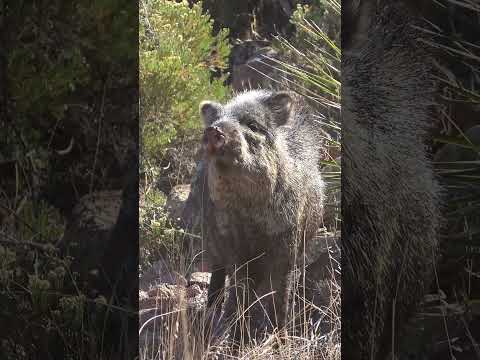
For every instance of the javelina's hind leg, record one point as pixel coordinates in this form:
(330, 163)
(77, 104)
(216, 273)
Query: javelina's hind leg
(269, 311)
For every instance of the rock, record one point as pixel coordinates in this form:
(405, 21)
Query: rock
(201, 279)
(160, 274)
(234, 15)
(193, 291)
(166, 301)
(89, 229)
(191, 211)
(161, 299)
(177, 165)
(97, 211)
(142, 295)
(271, 16)
(176, 202)
(163, 291)
(166, 297)
(252, 65)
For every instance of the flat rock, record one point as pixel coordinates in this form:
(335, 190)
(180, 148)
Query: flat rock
(176, 202)
(200, 278)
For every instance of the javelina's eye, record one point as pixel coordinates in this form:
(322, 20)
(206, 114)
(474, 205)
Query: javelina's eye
(252, 125)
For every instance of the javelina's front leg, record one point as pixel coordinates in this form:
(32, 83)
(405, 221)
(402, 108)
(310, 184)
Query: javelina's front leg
(216, 287)
(216, 296)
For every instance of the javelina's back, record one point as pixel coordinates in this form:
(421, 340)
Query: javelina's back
(389, 194)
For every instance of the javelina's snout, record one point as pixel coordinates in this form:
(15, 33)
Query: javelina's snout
(215, 139)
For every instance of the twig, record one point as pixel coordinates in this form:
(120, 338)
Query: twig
(11, 241)
(99, 133)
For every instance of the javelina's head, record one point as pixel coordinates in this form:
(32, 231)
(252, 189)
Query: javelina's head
(240, 135)
(243, 143)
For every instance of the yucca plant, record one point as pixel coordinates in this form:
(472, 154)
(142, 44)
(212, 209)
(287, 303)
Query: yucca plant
(458, 161)
(457, 164)
(310, 66)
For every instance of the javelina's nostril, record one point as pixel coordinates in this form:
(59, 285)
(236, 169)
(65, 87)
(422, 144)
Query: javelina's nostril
(215, 138)
(213, 131)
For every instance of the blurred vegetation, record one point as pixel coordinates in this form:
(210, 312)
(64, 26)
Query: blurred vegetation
(452, 34)
(52, 60)
(61, 66)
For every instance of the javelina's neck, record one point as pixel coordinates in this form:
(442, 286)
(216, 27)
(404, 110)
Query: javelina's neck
(238, 190)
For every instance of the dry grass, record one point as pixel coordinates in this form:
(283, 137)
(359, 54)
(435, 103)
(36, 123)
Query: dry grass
(183, 331)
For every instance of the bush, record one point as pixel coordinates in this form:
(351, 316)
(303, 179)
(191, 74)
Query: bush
(177, 56)
(157, 235)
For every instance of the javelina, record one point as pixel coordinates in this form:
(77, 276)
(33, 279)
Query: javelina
(390, 198)
(261, 194)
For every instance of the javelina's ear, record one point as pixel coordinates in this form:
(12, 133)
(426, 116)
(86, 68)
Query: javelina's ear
(209, 111)
(281, 104)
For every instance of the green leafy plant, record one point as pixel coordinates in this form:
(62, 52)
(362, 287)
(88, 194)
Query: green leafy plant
(177, 55)
(158, 238)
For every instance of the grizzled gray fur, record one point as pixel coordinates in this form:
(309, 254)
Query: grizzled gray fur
(261, 195)
(390, 198)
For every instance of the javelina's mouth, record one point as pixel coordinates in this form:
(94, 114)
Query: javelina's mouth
(217, 147)
(215, 140)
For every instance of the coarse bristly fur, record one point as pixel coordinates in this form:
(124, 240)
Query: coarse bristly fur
(390, 198)
(261, 195)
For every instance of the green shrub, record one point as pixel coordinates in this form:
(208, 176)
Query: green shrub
(177, 55)
(158, 238)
